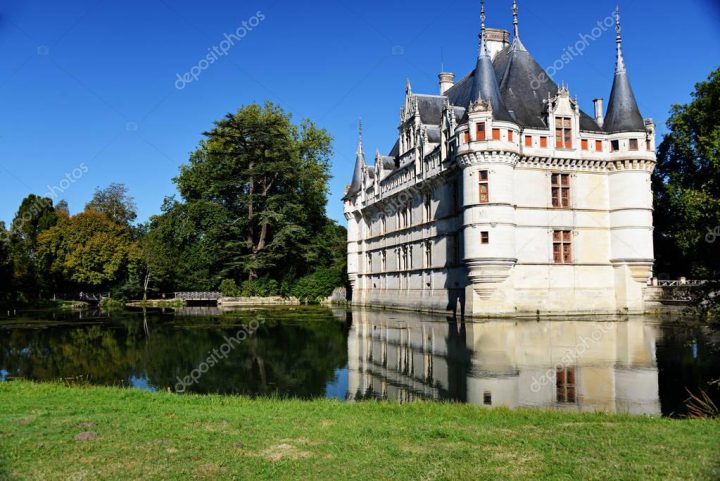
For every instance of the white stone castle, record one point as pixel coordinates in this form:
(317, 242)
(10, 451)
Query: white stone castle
(501, 197)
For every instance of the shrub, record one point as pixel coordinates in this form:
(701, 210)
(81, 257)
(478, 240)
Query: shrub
(318, 285)
(229, 288)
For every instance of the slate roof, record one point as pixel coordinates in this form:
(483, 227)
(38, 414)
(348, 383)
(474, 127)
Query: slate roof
(623, 114)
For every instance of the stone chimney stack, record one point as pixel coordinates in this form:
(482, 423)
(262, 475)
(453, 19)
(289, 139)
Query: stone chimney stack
(447, 80)
(599, 118)
(497, 39)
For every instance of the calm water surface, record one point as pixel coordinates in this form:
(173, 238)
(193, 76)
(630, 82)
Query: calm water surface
(638, 366)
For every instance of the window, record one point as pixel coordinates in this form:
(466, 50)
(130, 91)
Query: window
(543, 142)
(614, 146)
(397, 260)
(409, 216)
(496, 134)
(528, 141)
(428, 255)
(565, 384)
(428, 207)
(480, 133)
(650, 145)
(484, 187)
(634, 144)
(562, 247)
(410, 257)
(484, 237)
(404, 262)
(487, 398)
(511, 138)
(561, 191)
(466, 137)
(585, 144)
(598, 146)
(563, 132)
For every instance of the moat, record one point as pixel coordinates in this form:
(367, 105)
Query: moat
(639, 366)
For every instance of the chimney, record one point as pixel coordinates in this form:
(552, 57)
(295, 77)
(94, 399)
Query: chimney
(497, 39)
(599, 112)
(447, 80)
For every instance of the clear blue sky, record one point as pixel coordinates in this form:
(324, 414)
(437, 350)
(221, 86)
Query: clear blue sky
(92, 82)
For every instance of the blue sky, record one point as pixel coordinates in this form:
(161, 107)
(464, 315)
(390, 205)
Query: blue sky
(91, 84)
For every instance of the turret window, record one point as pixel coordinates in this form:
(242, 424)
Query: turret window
(614, 145)
(585, 144)
(466, 137)
(496, 134)
(543, 142)
(484, 185)
(528, 141)
(598, 146)
(634, 144)
(484, 237)
(563, 132)
(561, 191)
(562, 247)
(511, 138)
(480, 133)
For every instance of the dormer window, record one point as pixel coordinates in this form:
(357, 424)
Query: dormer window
(563, 132)
(480, 134)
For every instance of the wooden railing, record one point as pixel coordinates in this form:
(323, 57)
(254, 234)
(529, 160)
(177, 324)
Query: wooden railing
(198, 296)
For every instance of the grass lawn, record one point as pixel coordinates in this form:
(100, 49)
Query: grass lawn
(163, 436)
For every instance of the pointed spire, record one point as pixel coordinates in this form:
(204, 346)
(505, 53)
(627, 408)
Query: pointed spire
(485, 85)
(408, 87)
(620, 67)
(623, 114)
(516, 23)
(357, 179)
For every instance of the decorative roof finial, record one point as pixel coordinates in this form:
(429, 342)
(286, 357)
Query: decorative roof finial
(516, 27)
(408, 87)
(483, 43)
(360, 136)
(618, 29)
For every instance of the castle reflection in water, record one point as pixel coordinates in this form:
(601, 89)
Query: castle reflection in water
(570, 365)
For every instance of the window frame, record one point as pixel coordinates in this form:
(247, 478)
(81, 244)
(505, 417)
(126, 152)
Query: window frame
(562, 242)
(496, 134)
(528, 141)
(480, 133)
(560, 189)
(484, 186)
(485, 238)
(563, 132)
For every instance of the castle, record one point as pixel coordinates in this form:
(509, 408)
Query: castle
(501, 197)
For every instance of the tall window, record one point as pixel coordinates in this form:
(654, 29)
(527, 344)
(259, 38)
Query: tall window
(404, 262)
(428, 255)
(562, 247)
(511, 136)
(484, 187)
(565, 384)
(561, 191)
(428, 207)
(480, 131)
(383, 224)
(398, 265)
(383, 260)
(563, 132)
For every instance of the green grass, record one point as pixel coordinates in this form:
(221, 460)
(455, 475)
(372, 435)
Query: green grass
(164, 436)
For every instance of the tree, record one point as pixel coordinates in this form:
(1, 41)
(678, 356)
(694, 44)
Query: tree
(687, 186)
(6, 268)
(34, 216)
(114, 202)
(88, 251)
(256, 192)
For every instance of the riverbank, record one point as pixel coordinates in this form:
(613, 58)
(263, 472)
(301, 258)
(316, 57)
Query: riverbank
(52, 432)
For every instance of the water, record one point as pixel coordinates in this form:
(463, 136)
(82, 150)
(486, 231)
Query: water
(637, 366)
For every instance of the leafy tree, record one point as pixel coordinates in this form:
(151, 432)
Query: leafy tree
(115, 202)
(256, 192)
(88, 251)
(687, 186)
(6, 268)
(35, 215)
